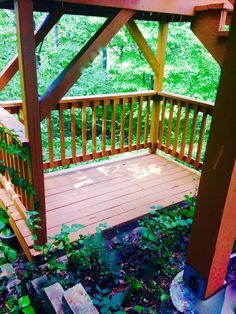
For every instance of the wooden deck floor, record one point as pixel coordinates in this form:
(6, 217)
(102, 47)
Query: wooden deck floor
(113, 192)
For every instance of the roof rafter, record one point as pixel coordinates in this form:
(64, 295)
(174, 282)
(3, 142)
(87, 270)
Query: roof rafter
(12, 67)
(87, 54)
(143, 45)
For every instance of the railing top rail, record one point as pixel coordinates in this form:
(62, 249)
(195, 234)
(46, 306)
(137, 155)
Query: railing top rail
(190, 100)
(108, 96)
(13, 126)
(18, 103)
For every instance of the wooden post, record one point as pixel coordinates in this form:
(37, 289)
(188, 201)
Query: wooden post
(214, 226)
(161, 54)
(27, 66)
(158, 82)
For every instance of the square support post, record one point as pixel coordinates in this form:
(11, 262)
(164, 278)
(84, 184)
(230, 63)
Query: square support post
(158, 81)
(31, 110)
(214, 226)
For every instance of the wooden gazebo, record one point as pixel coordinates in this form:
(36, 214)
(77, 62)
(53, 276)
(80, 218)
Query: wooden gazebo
(119, 191)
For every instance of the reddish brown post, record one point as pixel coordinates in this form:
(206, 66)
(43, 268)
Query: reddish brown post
(29, 86)
(214, 227)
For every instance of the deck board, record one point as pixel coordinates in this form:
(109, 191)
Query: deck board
(115, 193)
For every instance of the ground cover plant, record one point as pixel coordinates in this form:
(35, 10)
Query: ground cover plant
(130, 273)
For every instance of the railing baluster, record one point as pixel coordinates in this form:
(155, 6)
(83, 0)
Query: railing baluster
(50, 140)
(146, 131)
(162, 123)
(139, 122)
(131, 119)
(185, 130)
(169, 131)
(154, 133)
(177, 127)
(113, 127)
(94, 129)
(62, 135)
(193, 131)
(201, 136)
(122, 126)
(84, 128)
(73, 132)
(104, 126)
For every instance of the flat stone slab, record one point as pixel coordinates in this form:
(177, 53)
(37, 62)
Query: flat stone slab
(54, 295)
(186, 301)
(8, 271)
(39, 284)
(79, 301)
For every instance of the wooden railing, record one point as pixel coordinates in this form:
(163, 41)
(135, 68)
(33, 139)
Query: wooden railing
(14, 157)
(85, 128)
(97, 126)
(183, 127)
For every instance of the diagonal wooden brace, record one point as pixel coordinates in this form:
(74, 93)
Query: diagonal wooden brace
(13, 66)
(143, 45)
(86, 55)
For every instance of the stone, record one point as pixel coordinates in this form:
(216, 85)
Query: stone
(54, 295)
(79, 301)
(188, 302)
(39, 284)
(8, 271)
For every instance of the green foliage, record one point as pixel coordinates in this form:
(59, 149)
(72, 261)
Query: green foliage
(22, 305)
(120, 67)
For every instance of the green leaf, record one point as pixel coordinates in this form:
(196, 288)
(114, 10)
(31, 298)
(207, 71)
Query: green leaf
(11, 255)
(65, 229)
(76, 227)
(138, 308)
(34, 237)
(24, 301)
(28, 310)
(6, 232)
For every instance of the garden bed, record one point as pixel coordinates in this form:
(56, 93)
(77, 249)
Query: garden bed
(130, 273)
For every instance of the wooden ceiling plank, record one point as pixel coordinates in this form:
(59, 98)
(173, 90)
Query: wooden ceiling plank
(180, 7)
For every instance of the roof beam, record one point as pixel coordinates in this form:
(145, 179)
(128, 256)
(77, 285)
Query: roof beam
(143, 45)
(86, 55)
(180, 7)
(13, 66)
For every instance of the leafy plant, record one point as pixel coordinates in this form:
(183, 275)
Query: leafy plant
(22, 305)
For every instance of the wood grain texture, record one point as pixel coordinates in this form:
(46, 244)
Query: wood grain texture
(29, 87)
